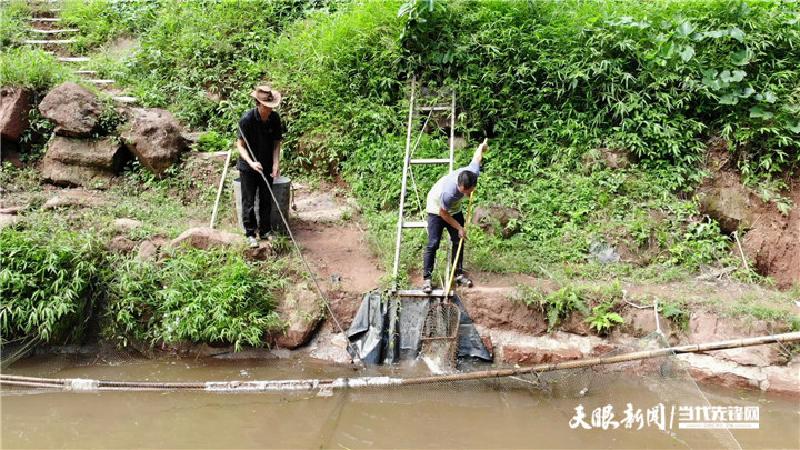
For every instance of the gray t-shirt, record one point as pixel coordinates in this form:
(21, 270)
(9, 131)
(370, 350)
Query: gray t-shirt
(445, 194)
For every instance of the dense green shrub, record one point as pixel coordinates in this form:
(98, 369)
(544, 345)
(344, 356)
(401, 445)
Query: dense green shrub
(48, 283)
(202, 58)
(31, 68)
(193, 295)
(100, 21)
(13, 22)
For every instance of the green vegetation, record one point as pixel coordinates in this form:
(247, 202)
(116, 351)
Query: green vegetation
(101, 21)
(559, 304)
(47, 283)
(54, 281)
(34, 69)
(194, 295)
(13, 22)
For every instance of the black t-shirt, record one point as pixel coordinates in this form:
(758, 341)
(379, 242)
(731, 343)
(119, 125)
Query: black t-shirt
(261, 135)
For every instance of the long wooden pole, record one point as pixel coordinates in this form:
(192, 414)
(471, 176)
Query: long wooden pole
(362, 382)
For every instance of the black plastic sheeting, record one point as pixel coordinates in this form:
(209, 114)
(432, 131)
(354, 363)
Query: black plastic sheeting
(386, 330)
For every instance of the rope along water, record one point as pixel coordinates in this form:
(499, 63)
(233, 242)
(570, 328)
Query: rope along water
(350, 345)
(87, 385)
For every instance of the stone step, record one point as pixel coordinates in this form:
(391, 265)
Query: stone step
(85, 72)
(96, 81)
(73, 59)
(45, 19)
(124, 99)
(48, 41)
(65, 30)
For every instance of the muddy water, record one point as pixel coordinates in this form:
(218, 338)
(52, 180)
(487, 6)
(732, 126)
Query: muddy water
(499, 414)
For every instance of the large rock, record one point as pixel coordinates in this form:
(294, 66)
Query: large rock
(15, 103)
(83, 162)
(730, 206)
(74, 198)
(204, 238)
(74, 109)
(497, 219)
(155, 139)
(301, 308)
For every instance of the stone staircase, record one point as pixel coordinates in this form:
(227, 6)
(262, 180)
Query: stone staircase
(46, 32)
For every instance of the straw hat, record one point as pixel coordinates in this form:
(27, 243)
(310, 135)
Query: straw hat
(267, 96)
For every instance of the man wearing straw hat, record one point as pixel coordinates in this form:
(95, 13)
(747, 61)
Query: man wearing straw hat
(444, 211)
(260, 131)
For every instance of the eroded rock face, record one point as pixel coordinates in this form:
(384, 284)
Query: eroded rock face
(492, 308)
(706, 327)
(155, 138)
(204, 238)
(301, 308)
(15, 103)
(83, 162)
(74, 109)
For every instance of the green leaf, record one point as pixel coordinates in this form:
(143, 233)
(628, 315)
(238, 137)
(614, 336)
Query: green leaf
(767, 96)
(729, 99)
(793, 128)
(741, 57)
(758, 113)
(686, 28)
(687, 53)
(737, 34)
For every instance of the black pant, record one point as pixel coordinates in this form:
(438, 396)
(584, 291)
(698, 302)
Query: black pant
(435, 226)
(252, 183)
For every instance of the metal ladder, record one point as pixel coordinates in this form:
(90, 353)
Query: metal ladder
(409, 161)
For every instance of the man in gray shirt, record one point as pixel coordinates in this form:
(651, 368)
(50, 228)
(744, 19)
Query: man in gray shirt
(444, 211)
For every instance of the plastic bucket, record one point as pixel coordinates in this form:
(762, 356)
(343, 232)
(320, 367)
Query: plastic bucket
(282, 188)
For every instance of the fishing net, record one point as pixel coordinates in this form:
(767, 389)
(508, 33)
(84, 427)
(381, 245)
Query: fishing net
(439, 339)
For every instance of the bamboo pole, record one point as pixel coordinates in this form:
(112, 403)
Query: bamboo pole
(219, 190)
(363, 382)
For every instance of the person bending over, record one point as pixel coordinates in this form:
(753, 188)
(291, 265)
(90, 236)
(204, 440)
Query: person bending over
(444, 212)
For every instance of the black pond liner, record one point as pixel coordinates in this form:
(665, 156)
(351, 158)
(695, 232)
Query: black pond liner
(387, 329)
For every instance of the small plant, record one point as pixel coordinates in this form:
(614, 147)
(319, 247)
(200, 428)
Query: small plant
(676, 312)
(603, 319)
(557, 305)
(211, 141)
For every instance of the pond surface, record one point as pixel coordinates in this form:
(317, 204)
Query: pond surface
(510, 413)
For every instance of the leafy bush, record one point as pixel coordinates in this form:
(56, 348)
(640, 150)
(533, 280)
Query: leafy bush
(48, 283)
(31, 68)
(194, 295)
(13, 22)
(100, 21)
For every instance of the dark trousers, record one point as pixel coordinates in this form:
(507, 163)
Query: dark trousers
(435, 226)
(252, 185)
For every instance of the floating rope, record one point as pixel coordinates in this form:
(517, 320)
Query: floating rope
(325, 385)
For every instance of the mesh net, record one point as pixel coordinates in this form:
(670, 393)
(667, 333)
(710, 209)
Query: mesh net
(439, 339)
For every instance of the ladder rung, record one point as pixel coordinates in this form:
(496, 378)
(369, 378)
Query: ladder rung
(419, 293)
(430, 161)
(412, 224)
(434, 108)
